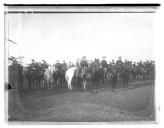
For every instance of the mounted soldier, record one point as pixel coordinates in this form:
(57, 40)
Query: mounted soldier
(119, 62)
(70, 65)
(78, 63)
(113, 76)
(59, 74)
(83, 66)
(44, 65)
(127, 65)
(84, 63)
(104, 63)
(96, 64)
(32, 72)
(64, 66)
(91, 64)
(104, 66)
(113, 63)
(58, 65)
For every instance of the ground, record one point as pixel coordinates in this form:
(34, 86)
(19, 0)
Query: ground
(134, 104)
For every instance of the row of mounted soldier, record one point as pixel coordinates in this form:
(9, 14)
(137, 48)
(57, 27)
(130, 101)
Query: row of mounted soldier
(41, 74)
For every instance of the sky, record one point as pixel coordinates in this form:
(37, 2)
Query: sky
(68, 36)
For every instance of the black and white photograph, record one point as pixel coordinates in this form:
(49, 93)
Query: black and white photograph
(80, 63)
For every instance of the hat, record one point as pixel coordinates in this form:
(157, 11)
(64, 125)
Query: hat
(119, 57)
(104, 57)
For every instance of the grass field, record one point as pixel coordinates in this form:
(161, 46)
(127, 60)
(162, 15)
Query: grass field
(134, 104)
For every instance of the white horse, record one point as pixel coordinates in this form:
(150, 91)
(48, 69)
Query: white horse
(69, 75)
(48, 77)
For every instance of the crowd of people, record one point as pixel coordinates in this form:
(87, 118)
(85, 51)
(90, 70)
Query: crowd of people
(35, 70)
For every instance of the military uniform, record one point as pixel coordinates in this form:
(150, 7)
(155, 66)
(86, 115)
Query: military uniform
(57, 65)
(140, 64)
(44, 66)
(64, 65)
(119, 62)
(77, 64)
(83, 64)
(126, 65)
(104, 64)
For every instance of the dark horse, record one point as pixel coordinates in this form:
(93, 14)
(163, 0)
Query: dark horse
(82, 78)
(87, 78)
(91, 79)
(77, 79)
(35, 78)
(97, 76)
(125, 77)
(112, 76)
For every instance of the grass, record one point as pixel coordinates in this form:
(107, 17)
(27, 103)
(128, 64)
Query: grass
(135, 104)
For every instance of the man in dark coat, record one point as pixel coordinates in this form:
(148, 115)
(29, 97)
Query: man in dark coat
(119, 61)
(78, 63)
(83, 66)
(104, 63)
(58, 65)
(83, 63)
(64, 65)
(113, 63)
(44, 65)
(104, 66)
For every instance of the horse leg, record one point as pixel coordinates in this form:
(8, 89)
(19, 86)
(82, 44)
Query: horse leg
(124, 84)
(49, 84)
(70, 84)
(84, 83)
(37, 84)
(90, 87)
(42, 83)
(46, 83)
(113, 84)
(63, 81)
(112, 87)
(55, 82)
(127, 84)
